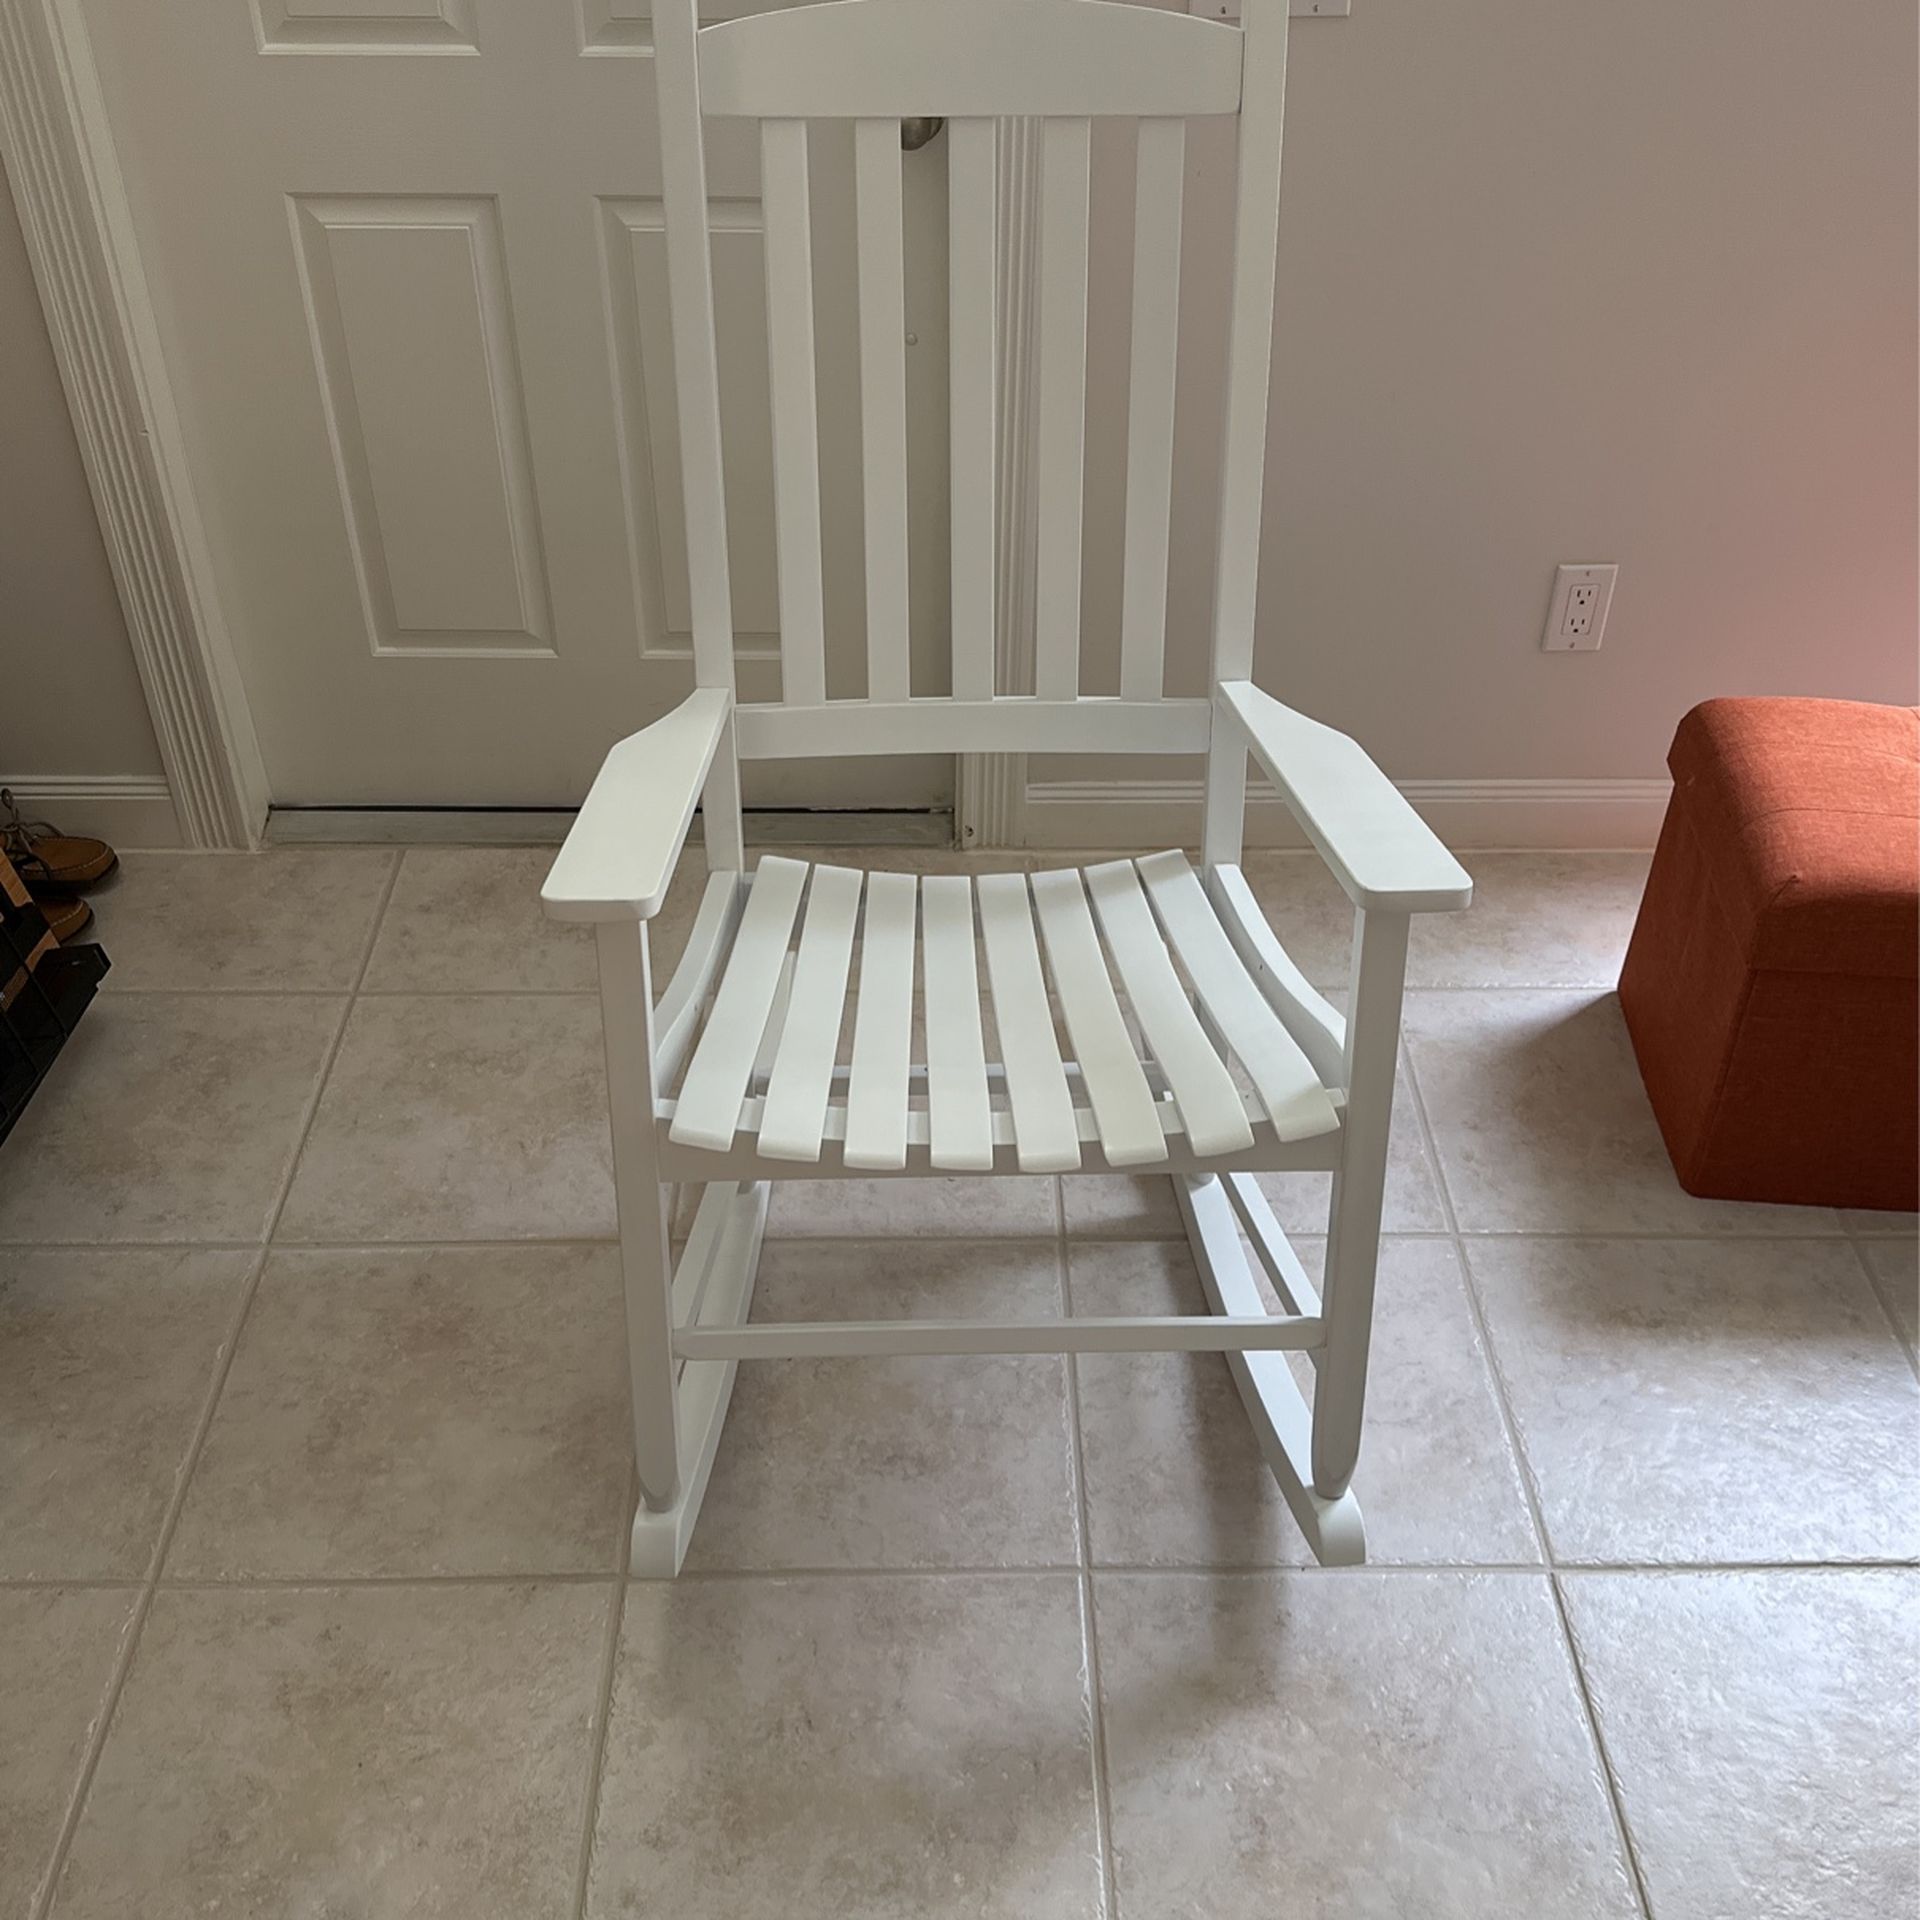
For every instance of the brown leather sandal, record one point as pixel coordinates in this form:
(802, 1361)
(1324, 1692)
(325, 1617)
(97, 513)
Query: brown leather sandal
(49, 860)
(66, 918)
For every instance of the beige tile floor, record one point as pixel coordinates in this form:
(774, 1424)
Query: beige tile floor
(314, 1482)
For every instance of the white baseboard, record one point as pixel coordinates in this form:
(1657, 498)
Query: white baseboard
(124, 809)
(1465, 813)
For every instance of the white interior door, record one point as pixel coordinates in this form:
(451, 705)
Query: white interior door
(409, 269)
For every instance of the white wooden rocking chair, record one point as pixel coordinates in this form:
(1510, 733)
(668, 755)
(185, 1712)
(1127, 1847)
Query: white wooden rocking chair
(731, 1081)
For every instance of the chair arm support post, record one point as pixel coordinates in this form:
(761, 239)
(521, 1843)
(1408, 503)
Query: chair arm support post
(1359, 1188)
(1383, 854)
(619, 855)
(646, 1267)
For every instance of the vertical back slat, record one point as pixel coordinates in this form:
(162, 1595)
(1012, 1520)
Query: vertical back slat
(1065, 148)
(971, 201)
(796, 441)
(1159, 179)
(883, 402)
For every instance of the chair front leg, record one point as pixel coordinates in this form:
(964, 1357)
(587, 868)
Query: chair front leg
(1359, 1186)
(626, 1012)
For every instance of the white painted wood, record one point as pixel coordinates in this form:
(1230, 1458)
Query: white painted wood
(1267, 1155)
(1243, 449)
(646, 1267)
(659, 1537)
(1278, 1414)
(1359, 1186)
(1009, 725)
(683, 183)
(1210, 1106)
(1160, 181)
(990, 788)
(1386, 857)
(1223, 807)
(1207, 981)
(796, 1104)
(1142, 1333)
(879, 1078)
(1304, 1011)
(1284, 1077)
(708, 1110)
(1061, 443)
(899, 57)
(60, 161)
(972, 267)
(1256, 219)
(883, 403)
(619, 855)
(1264, 1233)
(1043, 1120)
(796, 437)
(709, 940)
(959, 1122)
(770, 1037)
(693, 1271)
(1123, 1103)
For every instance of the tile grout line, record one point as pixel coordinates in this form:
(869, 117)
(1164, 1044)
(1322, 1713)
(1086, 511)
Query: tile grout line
(1025, 1570)
(1090, 1237)
(1530, 1488)
(1083, 1585)
(1879, 1292)
(170, 1520)
(597, 1751)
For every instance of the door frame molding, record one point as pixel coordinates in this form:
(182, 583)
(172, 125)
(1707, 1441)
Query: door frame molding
(78, 226)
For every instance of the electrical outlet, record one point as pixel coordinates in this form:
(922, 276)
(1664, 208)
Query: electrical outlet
(1577, 616)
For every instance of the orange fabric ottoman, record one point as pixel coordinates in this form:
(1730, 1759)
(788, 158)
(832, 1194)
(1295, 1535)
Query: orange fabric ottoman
(1770, 986)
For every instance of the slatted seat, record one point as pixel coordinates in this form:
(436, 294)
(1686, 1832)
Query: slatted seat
(1077, 964)
(1134, 1014)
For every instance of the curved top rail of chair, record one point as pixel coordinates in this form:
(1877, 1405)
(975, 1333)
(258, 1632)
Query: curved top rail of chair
(892, 58)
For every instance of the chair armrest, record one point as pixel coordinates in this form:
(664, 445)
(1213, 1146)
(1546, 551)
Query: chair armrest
(620, 852)
(1386, 857)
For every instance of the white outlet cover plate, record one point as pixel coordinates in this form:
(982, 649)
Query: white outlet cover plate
(1299, 9)
(1556, 639)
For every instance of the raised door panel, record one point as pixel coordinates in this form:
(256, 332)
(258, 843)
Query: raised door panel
(412, 332)
(367, 26)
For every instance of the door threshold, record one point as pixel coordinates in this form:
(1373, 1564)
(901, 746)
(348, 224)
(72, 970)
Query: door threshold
(547, 827)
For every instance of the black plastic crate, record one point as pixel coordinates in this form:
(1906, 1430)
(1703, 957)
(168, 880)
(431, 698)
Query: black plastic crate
(35, 1024)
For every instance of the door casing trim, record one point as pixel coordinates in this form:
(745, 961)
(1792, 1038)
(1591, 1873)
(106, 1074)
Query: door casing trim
(78, 226)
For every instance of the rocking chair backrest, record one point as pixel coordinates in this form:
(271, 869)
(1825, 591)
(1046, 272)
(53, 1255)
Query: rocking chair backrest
(1065, 62)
